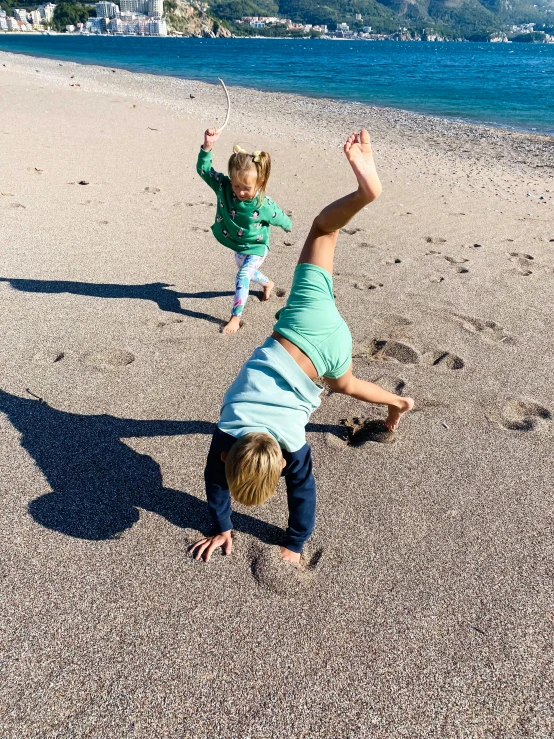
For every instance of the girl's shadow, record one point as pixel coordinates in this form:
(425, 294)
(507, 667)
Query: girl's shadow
(157, 292)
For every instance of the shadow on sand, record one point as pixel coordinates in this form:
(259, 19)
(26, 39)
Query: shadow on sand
(157, 292)
(98, 482)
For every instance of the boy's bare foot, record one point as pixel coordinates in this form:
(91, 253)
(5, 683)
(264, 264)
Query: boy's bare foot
(267, 290)
(360, 156)
(397, 411)
(288, 556)
(233, 326)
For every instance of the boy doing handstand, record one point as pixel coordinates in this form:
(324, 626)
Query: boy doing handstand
(261, 433)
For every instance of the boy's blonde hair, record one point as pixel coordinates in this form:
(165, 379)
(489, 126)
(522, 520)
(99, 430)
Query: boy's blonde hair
(241, 162)
(253, 467)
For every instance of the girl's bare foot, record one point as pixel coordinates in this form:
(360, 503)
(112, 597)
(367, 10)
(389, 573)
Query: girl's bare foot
(397, 411)
(267, 290)
(233, 326)
(360, 156)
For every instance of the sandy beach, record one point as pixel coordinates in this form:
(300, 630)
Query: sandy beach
(424, 604)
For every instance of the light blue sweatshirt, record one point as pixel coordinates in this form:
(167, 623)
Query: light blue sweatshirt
(271, 394)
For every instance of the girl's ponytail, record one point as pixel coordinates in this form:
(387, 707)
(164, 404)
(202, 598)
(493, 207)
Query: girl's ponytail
(262, 161)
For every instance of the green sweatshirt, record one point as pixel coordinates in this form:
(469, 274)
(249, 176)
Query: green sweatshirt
(241, 225)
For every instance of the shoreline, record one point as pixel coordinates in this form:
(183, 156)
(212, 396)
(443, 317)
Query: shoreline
(435, 121)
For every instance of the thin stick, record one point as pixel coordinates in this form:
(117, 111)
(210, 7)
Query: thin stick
(219, 130)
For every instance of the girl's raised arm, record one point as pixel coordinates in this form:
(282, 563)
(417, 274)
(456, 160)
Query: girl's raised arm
(204, 163)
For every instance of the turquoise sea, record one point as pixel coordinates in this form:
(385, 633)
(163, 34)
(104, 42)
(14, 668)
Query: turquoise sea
(508, 85)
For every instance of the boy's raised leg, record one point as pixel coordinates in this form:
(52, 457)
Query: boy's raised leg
(319, 248)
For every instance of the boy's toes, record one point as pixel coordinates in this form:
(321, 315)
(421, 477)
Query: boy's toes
(364, 137)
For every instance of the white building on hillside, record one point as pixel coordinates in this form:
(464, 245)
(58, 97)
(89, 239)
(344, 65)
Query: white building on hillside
(158, 27)
(134, 6)
(106, 9)
(20, 14)
(156, 8)
(47, 11)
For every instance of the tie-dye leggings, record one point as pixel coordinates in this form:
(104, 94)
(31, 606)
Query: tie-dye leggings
(249, 270)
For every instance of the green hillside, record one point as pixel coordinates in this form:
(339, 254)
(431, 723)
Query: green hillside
(454, 18)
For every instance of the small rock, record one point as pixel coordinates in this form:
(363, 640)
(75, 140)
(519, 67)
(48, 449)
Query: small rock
(82, 182)
(191, 96)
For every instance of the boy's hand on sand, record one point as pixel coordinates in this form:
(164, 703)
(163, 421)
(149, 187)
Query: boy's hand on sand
(289, 556)
(211, 135)
(205, 547)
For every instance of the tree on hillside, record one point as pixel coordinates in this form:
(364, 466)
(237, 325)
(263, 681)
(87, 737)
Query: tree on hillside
(69, 13)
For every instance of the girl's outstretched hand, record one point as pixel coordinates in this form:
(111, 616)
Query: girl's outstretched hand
(211, 135)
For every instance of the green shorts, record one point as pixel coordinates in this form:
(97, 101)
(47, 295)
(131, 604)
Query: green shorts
(311, 320)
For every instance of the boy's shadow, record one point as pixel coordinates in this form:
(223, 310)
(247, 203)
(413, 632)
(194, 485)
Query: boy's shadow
(98, 482)
(157, 292)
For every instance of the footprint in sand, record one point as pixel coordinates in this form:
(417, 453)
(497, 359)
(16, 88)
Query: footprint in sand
(486, 329)
(360, 430)
(152, 190)
(523, 262)
(367, 285)
(286, 578)
(387, 349)
(16, 205)
(168, 322)
(108, 358)
(435, 240)
(396, 385)
(280, 292)
(366, 245)
(48, 356)
(456, 260)
(380, 349)
(523, 415)
(521, 255)
(350, 231)
(446, 360)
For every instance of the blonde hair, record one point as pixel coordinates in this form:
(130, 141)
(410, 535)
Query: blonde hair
(253, 467)
(241, 162)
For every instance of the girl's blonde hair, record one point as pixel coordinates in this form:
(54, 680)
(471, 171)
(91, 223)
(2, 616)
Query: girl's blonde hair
(241, 162)
(253, 467)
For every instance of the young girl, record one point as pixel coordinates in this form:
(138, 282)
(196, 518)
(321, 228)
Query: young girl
(243, 217)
